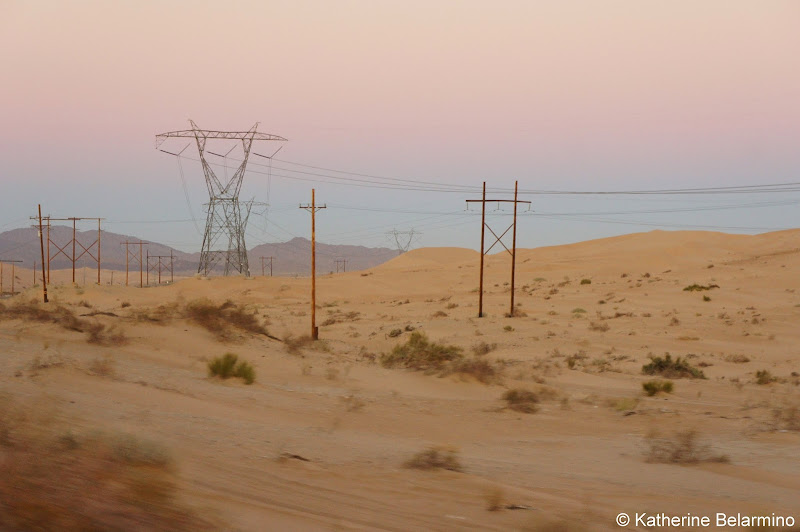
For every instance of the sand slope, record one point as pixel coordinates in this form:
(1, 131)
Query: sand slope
(579, 458)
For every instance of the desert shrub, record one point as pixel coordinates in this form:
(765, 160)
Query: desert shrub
(435, 458)
(52, 480)
(786, 417)
(229, 365)
(439, 314)
(394, 333)
(578, 310)
(706, 298)
(671, 368)
(699, 288)
(341, 317)
(521, 400)
(737, 359)
(480, 368)
(598, 326)
(483, 348)
(653, 387)
(451, 306)
(218, 319)
(763, 376)
(508, 328)
(586, 281)
(421, 354)
(682, 448)
(125, 304)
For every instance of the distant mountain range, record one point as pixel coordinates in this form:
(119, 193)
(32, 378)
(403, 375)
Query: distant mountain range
(289, 258)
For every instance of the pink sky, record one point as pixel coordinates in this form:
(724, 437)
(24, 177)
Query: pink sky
(598, 94)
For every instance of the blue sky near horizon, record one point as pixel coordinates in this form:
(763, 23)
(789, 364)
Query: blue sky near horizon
(569, 96)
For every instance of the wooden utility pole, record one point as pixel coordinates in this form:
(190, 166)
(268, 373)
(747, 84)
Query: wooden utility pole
(313, 208)
(62, 250)
(13, 274)
(270, 266)
(512, 251)
(128, 256)
(41, 242)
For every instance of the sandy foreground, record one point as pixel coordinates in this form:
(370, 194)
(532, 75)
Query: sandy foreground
(318, 442)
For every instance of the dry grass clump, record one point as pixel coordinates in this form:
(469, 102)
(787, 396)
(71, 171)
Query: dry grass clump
(52, 481)
(64, 317)
(479, 368)
(295, 344)
(671, 369)
(682, 448)
(160, 315)
(483, 348)
(786, 417)
(435, 458)
(699, 288)
(342, 317)
(229, 365)
(521, 400)
(218, 319)
(655, 386)
(763, 376)
(419, 353)
(598, 326)
(737, 359)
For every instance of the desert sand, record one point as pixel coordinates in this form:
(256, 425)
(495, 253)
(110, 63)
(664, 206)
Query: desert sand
(319, 440)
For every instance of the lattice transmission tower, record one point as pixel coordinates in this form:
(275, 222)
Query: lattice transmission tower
(403, 239)
(226, 218)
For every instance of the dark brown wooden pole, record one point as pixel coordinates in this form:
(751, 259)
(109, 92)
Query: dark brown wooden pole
(514, 249)
(41, 242)
(48, 249)
(314, 330)
(73, 251)
(98, 251)
(483, 231)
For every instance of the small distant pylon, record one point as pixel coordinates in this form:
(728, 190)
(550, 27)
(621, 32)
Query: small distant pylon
(403, 239)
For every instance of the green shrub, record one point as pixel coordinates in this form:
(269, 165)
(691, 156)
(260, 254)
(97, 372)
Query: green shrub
(653, 387)
(586, 281)
(229, 365)
(671, 369)
(421, 354)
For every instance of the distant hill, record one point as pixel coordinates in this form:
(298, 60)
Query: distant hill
(290, 258)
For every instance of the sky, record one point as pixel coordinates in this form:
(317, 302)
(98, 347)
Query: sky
(562, 96)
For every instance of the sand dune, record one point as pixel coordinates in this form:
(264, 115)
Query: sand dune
(318, 442)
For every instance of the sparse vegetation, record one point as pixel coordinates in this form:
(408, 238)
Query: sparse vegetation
(682, 448)
(671, 368)
(699, 288)
(295, 344)
(218, 318)
(706, 298)
(395, 333)
(229, 365)
(508, 328)
(53, 480)
(623, 404)
(521, 400)
(479, 368)
(578, 310)
(421, 354)
(483, 348)
(737, 359)
(655, 386)
(763, 376)
(598, 326)
(435, 458)
(586, 281)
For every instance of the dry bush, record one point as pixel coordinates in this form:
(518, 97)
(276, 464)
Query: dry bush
(682, 448)
(160, 315)
(483, 348)
(671, 368)
(58, 481)
(435, 458)
(439, 314)
(64, 317)
(218, 319)
(294, 344)
(623, 404)
(737, 359)
(598, 326)
(479, 368)
(521, 400)
(103, 367)
(763, 376)
(341, 317)
(699, 288)
(421, 354)
(786, 417)
(655, 386)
